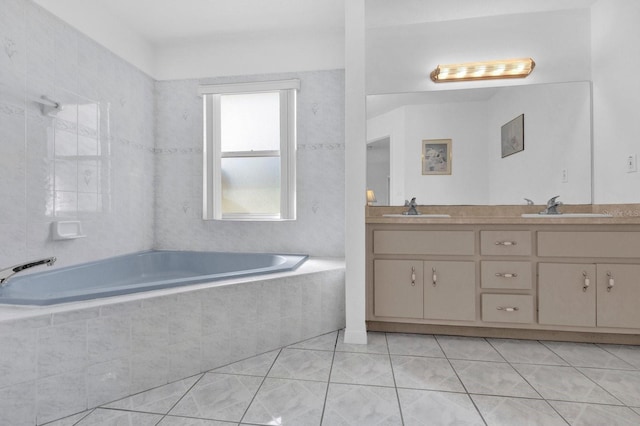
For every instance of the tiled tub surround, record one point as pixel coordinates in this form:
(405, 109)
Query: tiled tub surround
(60, 360)
(398, 379)
(141, 188)
(93, 161)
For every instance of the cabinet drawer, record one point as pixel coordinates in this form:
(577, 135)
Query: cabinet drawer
(589, 244)
(507, 308)
(424, 242)
(505, 243)
(508, 275)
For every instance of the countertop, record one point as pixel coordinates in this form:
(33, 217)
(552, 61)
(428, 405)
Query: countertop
(622, 214)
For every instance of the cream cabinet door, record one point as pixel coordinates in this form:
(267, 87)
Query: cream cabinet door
(618, 295)
(567, 294)
(397, 288)
(450, 290)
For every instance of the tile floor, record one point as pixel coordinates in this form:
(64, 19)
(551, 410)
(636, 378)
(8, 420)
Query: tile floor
(398, 379)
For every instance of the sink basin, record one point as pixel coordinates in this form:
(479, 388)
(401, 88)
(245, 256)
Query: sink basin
(416, 215)
(563, 215)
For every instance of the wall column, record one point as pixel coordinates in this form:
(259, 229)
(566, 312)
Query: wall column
(355, 171)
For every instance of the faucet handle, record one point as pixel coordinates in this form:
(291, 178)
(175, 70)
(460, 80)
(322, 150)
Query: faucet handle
(552, 201)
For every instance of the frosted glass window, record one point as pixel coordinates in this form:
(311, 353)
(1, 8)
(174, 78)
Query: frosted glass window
(250, 122)
(251, 185)
(250, 150)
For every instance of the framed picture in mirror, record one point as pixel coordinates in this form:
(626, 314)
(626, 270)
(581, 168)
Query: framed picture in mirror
(436, 157)
(512, 136)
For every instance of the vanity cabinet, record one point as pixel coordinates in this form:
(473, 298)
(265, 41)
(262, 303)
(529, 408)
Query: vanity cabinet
(506, 280)
(593, 294)
(590, 295)
(398, 288)
(424, 289)
(450, 290)
(567, 294)
(618, 295)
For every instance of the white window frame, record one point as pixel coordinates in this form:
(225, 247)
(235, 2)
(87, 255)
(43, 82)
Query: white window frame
(212, 150)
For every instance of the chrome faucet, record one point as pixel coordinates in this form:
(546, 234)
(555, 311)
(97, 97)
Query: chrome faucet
(412, 207)
(552, 206)
(8, 272)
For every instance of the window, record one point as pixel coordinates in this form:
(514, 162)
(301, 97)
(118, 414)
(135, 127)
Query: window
(250, 150)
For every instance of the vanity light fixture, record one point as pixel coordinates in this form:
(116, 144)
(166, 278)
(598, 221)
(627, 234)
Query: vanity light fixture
(488, 70)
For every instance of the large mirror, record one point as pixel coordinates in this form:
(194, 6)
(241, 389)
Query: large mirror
(557, 142)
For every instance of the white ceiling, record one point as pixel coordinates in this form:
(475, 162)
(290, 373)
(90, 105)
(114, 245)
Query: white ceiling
(380, 104)
(383, 13)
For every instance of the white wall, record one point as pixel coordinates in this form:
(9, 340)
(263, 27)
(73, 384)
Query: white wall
(251, 54)
(392, 125)
(463, 123)
(615, 39)
(100, 25)
(319, 227)
(557, 136)
(399, 59)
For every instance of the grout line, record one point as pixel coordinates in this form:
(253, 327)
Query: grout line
(516, 370)
(83, 417)
(527, 381)
(180, 399)
(326, 393)
(261, 383)
(586, 366)
(600, 345)
(393, 375)
(587, 377)
(460, 380)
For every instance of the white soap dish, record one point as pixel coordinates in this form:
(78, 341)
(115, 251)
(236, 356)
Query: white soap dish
(66, 230)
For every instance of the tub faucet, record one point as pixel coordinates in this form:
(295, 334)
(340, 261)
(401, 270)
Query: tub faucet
(412, 207)
(552, 206)
(8, 272)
